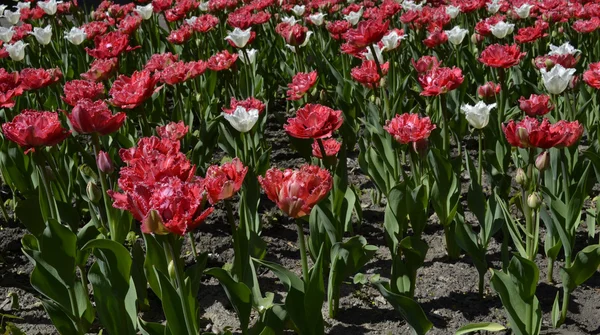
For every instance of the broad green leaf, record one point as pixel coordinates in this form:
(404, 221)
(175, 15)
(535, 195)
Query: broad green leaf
(483, 326)
(585, 265)
(238, 294)
(410, 310)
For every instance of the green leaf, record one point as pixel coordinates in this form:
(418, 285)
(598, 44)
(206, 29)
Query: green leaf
(171, 304)
(409, 309)
(152, 328)
(238, 294)
(313, 299)
(395, 219)
(155, 259)
(483, 326)
(29, 213)
(584, 266)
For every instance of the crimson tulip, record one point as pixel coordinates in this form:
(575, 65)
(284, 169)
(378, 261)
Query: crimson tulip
(33, 129)
(314, 121)
(94, 117)
(223, 182)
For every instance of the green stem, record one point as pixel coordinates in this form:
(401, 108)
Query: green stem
(480, 160)
(302, 245)
(549, 275)
(565, 306)
(51, 201)
(386, 100)
(443, 107)
(107, 205)
(187, 314)
(237, 261)
(75, 309)
(481, 284)
(193, 245)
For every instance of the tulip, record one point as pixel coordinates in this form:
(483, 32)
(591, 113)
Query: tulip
(406, 128)
(368, 54)
(493, 7)
(251, 53)
(542, 161)
(564, 49)
(523, 11)
(2, 9)
(410, 5)
(223, 182)
(501, 29)
(6, 34)
(529, 133)
(242, 119)
(76, 90)
(392, 39)
(93, 192)
(521, 177)
(534, 201)
(239, 37)
(43, 35)
(452, 11)
(23, 5)
(10, 83)
(145, 11)
(557, 79)
(298, 10)
(12, 17)
(49, 6)
(32, 129)
(317, 19)
(130, 92)
(104, 163)
(478, 116)
(289, 20)
(76, 36)
(330, 145)
(354, 17)
(16, 51)
(94, 117)
(456, 35)
(301, 84)
(174, 131)
(314, 121)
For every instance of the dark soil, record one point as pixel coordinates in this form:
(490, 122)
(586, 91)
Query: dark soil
(447, 290)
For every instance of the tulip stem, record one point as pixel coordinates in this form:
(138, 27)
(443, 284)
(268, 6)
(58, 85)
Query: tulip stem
(193, 245)
(181, 290)
(237, 253)
(386, 100)
(107, 205)
(480, 165)
(302, 245)
(443, 107)
(323, 152)
(51, 201)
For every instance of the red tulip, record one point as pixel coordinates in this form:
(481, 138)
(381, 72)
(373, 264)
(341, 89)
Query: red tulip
(181, 35)
(292, 34)
(94, 117)
(173, 131)
(489, 90)
(367, 33)
(222, 61)
(248, 104)
(130, 24)
(529, 132)
(104, 162)
(33, 129)
(33, 79)
(101, 69)
(337, 29)
(331, 146)
(314, 121)
(10, 88)
(110, 45)
(204, 23)
(94, 29)
(530, 34)
(536, 105)
(180, 72)
(76, 90)
(296, 191)
(547, 62)
(367, 73)
(407, 128)
(437, 37)
(223, 182)
(586, 26)
(440, 80)
(592, 76)
(130, 92)
(301, 83)
(501, 56)
(159, 62)
(425, 64)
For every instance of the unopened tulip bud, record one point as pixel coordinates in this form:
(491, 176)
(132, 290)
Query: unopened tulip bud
(534, 201)
(521, 177)
(382, 82)
(104, 163)
(549, 63)
(523, 135)
(94, 193)
(542, 162)
(171, 269)
(323, 96)
(477, 38)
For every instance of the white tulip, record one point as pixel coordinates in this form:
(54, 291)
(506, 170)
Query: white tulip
(204, 6)
(411, 5)
(452, 11)
(354, 17)
(12, 17)
(241, 119)
(49, 6)
(391, 40)
(42, 35)
(21, 5)
(16, 51)
(317, 18)
(239, 37)
(565, 49)
(145, 11)
(493, 7)
(557, 79)
(523, 11)
(251, 56)
(456, 35)
(478, 116)
(2, 8)
(6, 34)
(191, 21)
(289, 20)
(369, 55)
(501, 29)
(298, 10)
(76, 36)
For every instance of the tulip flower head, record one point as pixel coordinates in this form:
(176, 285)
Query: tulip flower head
(314, 121)
(557, 79)
(49, 6)
(238, 37)
(16, 51)
(478, 116)
(242, 119)
(34, 129)
(224, 181)
(76, 36)
(456, 35)
(173, 131)
(452, 11)
(90, 117)
(43, 35)
(6, 34)
(317, 18)
(407, 128)
(530, 133)
(523, 11)
(145, 11)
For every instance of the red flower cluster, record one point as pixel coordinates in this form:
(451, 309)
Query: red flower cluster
(425, 64)
(204, 23)
(592, 76)
(34, 79)
(160, 188)
(222, 61)
(366, 33)
(130, 92)
(337, 29)
(440, 80)
(223, 182)
(10, 87)
(301, 83)
(408, 128)
(314, 121)
(76, 90)
(488, 90)
(33, 129)
(529, 133)
(331, 146)
(367, 73)
(435, 38)
(501, 56)
(248, 104)
(296, 192)
(181, 35)
(293, 35)
(173, 131)
(101, 69)
(180, 72)
(159, 62)
(548, 61)
(110, 45)
(536, 105)
(94, 117)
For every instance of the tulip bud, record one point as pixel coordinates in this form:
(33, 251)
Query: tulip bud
(488, 91)
(542, 162)
(549, 64)
(521, 177)
(534, 201)
(477, 38)
(323, 96)
(171, 269)
(523, 135)
(104, 163)
(94, 193)
(421, 146)
(382, 82)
